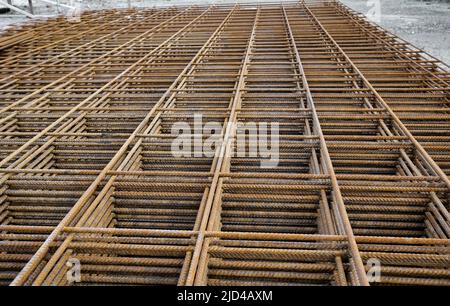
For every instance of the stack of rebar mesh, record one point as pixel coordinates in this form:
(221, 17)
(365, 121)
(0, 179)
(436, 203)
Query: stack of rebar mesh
(89, 179)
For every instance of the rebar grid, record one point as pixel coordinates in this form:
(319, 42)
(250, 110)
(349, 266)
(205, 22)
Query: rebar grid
(87, 171)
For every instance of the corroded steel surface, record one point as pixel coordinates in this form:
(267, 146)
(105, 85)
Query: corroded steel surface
(87, 172)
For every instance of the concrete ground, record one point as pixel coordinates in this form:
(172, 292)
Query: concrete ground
(424, 23)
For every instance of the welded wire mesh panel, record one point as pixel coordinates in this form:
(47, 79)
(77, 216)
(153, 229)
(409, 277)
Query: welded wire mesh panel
(285, 143)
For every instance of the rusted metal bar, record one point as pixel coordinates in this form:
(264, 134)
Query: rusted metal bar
(354, 169)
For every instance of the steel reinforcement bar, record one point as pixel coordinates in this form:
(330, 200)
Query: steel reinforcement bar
(243, 144)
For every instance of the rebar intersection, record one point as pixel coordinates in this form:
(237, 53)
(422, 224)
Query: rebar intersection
(88, 172)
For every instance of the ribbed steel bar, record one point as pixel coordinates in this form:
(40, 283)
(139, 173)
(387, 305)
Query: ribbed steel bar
(221, 160)
(37, 59)
(273, 53)
(165, 50)
(322, 164)
(414, 86)
(371, 90)
(148, 125)
(174, 96)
